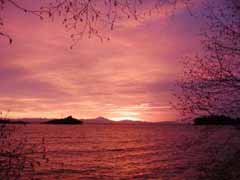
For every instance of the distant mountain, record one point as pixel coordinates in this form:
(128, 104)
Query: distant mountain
(102, 120)
(31, 120)
(168, 122)
(127, 121)
(8, 121)
(148, 122)
(98, 120)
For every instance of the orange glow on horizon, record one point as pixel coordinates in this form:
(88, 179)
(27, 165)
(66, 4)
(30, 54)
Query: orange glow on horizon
(126, 115)
(125, 118)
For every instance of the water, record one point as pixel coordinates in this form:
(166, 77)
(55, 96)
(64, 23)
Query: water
(128, 151)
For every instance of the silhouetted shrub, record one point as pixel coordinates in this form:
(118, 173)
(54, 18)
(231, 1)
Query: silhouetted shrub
(16, 155)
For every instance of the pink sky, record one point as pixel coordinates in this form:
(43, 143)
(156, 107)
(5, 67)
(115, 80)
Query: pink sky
(129, 77)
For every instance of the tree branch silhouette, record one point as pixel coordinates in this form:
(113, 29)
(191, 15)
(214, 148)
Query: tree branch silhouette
(210, 83)
(89, 17)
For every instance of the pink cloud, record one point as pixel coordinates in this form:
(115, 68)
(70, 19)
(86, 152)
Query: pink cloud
(41, 76)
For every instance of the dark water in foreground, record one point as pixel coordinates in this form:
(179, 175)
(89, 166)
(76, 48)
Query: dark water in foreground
(132, 151)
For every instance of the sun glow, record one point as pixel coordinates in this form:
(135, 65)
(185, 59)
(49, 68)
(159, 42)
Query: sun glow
(126, 115)
(125, 118)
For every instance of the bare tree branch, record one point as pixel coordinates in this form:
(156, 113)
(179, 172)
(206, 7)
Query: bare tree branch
(89, 17)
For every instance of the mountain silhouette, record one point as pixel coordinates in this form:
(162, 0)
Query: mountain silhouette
(98, 120)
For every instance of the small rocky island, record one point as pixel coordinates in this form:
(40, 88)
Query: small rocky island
(216, 120)
(67, 121)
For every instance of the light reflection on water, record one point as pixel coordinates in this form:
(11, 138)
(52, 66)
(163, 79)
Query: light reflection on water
(126, 151)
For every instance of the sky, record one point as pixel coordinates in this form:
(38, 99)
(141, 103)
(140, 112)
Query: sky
(132, 76)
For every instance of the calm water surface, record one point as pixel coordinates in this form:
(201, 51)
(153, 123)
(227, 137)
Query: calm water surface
(128, 151)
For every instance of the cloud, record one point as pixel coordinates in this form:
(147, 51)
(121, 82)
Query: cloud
(130, 75)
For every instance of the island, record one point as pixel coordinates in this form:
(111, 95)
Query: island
(216, 120)
(67, 121)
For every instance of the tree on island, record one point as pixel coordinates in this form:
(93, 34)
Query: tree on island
(210, 83)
